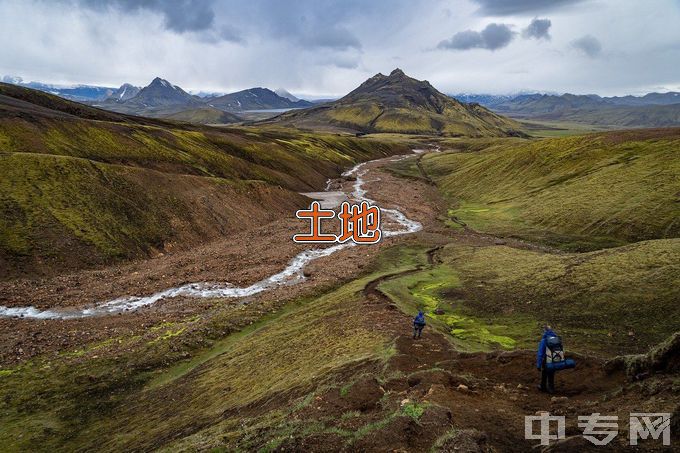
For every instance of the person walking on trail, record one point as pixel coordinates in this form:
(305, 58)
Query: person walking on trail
(549, 346)
(418, 324)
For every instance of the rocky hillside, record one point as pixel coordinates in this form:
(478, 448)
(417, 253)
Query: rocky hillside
(399, 103)
(125, 92)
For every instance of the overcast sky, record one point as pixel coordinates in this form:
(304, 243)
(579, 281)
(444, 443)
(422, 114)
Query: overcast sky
(320, 47)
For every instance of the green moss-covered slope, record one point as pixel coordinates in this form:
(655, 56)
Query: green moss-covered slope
(577, 193)
(82, 186)
(401, 104)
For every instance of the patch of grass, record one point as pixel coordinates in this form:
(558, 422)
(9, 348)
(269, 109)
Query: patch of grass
(344, 390)
(168, 334)
(547, 129)
(413, 410)
(428, 291)
(405, 120)
(358, 115)
(407, 168)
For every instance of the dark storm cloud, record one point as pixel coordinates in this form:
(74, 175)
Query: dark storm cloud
(493, 37)
(511, 7)
(537, 29)
(179, 15)
(589, 45)
(309, 24)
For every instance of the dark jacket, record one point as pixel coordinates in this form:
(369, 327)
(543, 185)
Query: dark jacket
(419, 320)
(540, 356)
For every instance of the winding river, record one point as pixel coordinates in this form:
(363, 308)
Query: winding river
(292, 273)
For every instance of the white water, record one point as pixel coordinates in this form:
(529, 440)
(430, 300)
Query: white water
(291, 274)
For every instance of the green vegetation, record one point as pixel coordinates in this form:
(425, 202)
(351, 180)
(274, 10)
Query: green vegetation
(612, 301)
(434, 291)
(205, 115)
(413, 410)
(577, 193)
(546, 129)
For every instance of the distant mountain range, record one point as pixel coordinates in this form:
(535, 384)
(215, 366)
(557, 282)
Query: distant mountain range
(650, 110)
(162, 99)
(80, 93)
(255, 99)
(402, 104)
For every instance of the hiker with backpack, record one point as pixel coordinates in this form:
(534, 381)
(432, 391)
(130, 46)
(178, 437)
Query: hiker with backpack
(418, 324)
(550, 358)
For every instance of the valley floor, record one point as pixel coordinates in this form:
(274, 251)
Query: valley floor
(329, 364)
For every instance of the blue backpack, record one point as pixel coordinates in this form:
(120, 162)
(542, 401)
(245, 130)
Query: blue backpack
(554, 355)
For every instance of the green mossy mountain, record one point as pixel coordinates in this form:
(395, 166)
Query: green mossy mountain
(401, 104)
(82, 186)
(651, 110)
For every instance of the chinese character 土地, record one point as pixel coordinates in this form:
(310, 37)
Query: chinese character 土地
(599, 429)
(544, 436)
(359, 223)
(642, 426)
